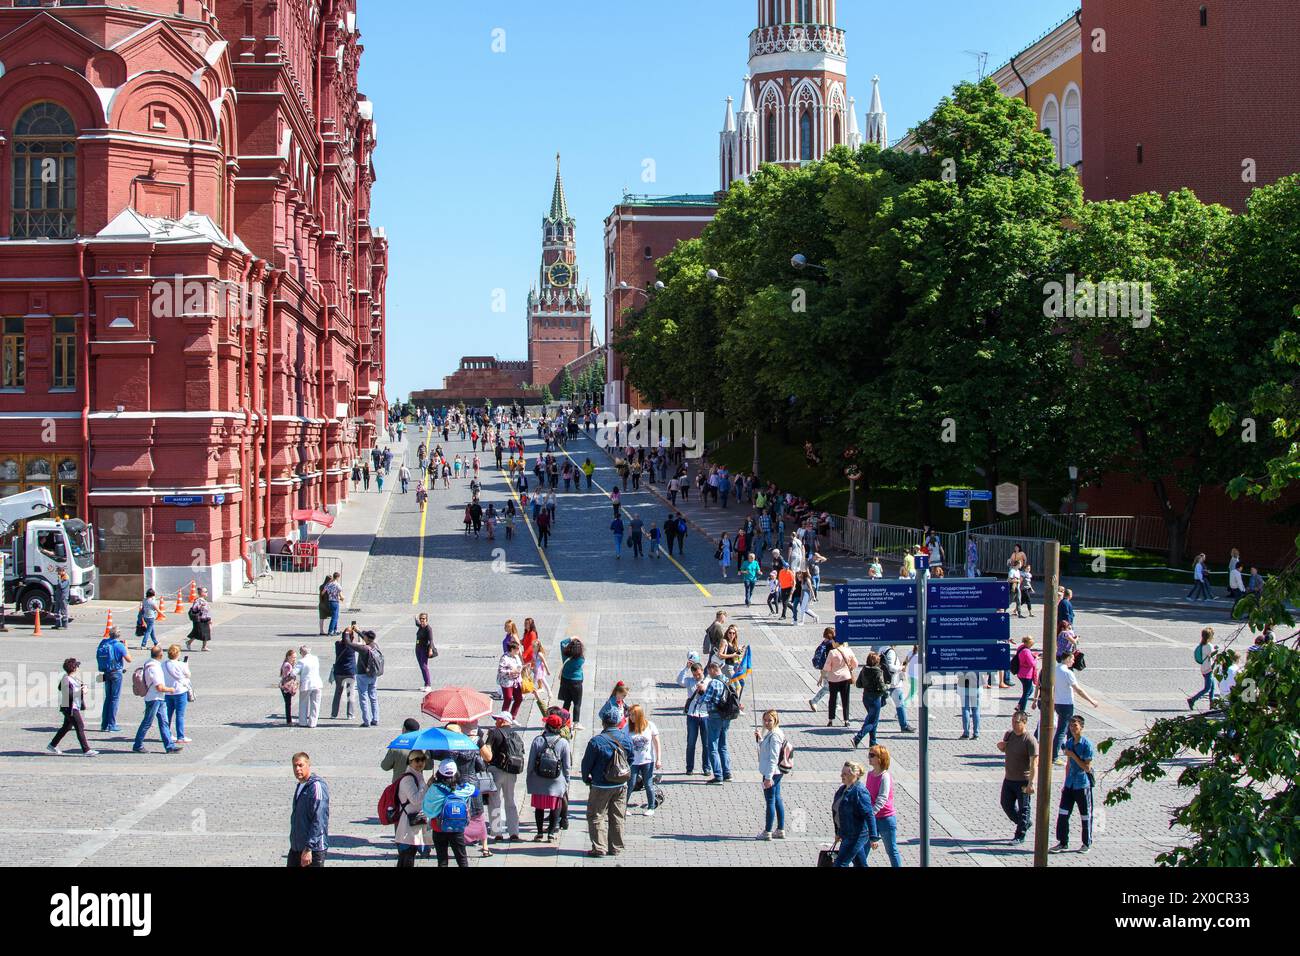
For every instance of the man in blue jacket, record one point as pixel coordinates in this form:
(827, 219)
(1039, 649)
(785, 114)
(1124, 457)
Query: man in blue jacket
(309, 824)
(607, 800)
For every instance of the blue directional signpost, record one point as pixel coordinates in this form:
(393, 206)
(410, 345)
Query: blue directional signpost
(958, 625)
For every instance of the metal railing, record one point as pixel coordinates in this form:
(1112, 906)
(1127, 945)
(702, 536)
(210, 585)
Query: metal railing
(292, 573)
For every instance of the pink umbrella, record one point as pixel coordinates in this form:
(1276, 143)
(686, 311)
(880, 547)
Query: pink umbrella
(456, 704)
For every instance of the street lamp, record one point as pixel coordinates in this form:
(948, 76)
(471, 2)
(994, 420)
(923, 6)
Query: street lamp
(713, 276)
(1074, 520)
(624, 287)
(800, 262)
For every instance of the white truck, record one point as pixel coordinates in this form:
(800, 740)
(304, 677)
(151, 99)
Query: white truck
(37, 547)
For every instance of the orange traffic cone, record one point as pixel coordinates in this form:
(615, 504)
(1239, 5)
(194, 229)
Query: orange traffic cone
(161, 616)
(194, 592)
(177, 609)
(37, 631)
(108, 625)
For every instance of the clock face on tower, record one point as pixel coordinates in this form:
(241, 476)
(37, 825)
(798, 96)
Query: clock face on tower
(560, 274)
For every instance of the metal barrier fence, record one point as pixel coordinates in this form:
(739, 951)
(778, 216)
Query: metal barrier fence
(292, 573)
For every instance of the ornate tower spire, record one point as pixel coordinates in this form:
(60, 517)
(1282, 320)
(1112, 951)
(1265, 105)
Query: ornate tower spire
(559, 205)
(855, 134)
(559, 305)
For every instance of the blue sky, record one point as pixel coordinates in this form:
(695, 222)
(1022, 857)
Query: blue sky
(468, 136)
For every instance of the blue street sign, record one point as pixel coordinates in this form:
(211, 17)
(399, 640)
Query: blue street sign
(957, 497)
(182, 501)
(921, 562)
(985, 626)
(876, 629)
(218, 499)
(967, 594)
(864, 597)
(981, 495)
(961, 658)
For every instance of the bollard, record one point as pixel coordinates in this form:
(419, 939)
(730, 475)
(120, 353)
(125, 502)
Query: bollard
(36, 632)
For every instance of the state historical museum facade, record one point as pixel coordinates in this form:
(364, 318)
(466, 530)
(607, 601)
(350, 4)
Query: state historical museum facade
(191, 290)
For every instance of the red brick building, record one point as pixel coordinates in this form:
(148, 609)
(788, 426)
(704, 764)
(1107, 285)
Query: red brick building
(1197, 93)
(192, 292)
(479, 377)
(640, 231)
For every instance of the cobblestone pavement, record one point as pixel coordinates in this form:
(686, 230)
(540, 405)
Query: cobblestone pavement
(225, 799)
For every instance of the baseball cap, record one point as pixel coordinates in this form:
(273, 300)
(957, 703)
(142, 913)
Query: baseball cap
(503, 715)
(447, 768)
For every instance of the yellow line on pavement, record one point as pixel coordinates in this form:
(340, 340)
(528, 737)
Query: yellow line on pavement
(424, 516)
(555, 585)
(625, 507)
(419, 567)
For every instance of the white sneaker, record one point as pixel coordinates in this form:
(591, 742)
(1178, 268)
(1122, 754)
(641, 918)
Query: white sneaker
(90, 753)
(649, 813)
(779, 835)
(764, 836)
(190, 740)
(52, 750)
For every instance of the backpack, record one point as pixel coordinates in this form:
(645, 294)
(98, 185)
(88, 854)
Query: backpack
(573, 649)
(375, 664)
(390, 807)
(104, 655)
(510, 758)
(728, 708)
(681, 525)
(889, 672)
(455, 814)
(547, 764)
(1199, 653)
(618, 770)
(819, 655)
(139, 686)
(785, 762)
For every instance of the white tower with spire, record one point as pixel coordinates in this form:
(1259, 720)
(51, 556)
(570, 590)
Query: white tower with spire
(795, 106)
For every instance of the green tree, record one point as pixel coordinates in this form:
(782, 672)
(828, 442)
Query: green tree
(546, 396)
(565, 384)
(962, 257)
(1150, 383)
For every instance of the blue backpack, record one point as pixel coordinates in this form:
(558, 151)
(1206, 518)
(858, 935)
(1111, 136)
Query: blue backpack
(104, 656)
(819, 656)
(455, 814)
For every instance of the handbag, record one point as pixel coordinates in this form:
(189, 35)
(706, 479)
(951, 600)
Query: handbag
(485, 782)
(826, 857)
(1079, 662)
(140, 626)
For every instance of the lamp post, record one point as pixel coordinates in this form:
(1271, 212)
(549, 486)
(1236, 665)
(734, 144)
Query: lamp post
(1074, 519)
(800, 261)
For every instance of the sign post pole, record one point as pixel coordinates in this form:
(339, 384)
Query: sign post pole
(924, 718)
(1046, 703)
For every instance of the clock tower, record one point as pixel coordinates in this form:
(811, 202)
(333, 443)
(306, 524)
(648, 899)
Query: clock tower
(559, 310)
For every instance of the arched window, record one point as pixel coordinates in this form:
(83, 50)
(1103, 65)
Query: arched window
(805, 135)
(44, 174)
(1051, 125)
(771, 137)
(1072, 127)
(836, 124)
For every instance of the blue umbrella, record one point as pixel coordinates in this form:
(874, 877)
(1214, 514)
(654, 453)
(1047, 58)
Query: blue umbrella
(432, 738)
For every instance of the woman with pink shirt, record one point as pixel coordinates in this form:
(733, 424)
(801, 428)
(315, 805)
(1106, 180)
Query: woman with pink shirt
(838, 673)
(1025, 662)
(880, 786)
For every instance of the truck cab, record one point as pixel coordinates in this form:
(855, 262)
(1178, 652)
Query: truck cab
(37, 547)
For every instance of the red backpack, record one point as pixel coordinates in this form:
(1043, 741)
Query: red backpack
(390, 805)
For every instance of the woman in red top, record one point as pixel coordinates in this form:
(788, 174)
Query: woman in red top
(530, 639)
